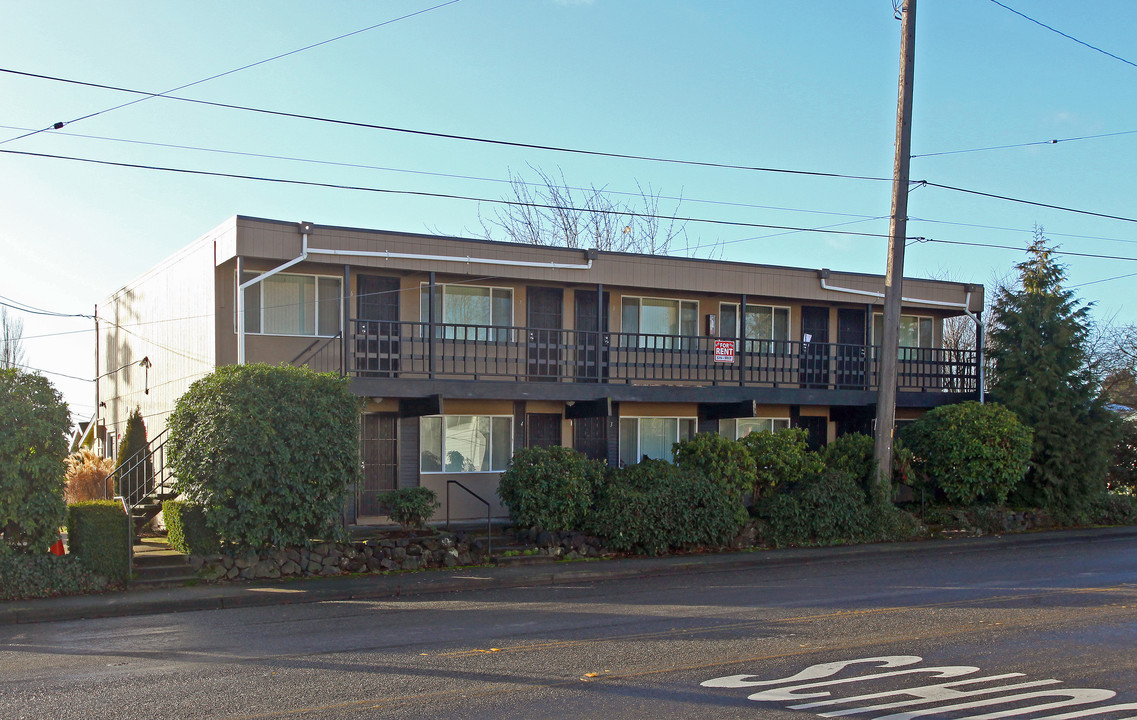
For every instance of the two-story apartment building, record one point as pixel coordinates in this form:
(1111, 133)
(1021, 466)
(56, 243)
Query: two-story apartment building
(466, 350)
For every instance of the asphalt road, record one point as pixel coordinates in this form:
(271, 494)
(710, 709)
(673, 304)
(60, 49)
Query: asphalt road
(977, 633)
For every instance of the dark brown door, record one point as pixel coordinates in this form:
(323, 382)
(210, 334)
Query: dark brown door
(591, 338)
(378, 446)
(815, 352)
(590, 437)
(851, 348)
(543, 429)
(544, 325)
(376, 326)
(818, 429)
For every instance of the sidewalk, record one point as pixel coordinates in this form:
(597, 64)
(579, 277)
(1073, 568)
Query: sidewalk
(373, 587)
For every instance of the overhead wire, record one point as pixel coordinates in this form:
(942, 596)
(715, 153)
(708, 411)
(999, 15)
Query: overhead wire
(1027, 144)
(1065, 35)
(58, 125)
(464, 138)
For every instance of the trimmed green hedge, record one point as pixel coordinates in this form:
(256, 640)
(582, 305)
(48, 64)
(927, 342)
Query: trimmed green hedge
(410, 507)
(23, 577)
(99, 533)
(654, 507)
(550, 488)
(186, 529)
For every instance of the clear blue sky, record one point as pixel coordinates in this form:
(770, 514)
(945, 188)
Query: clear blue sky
(806, 86)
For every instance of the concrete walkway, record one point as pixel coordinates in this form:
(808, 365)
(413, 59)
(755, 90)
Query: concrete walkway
(219, 596)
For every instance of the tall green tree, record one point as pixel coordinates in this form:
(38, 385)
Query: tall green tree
(1039, 349)
(33, 444)
(135, 470)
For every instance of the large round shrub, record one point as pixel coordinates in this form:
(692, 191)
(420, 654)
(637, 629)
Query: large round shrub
(550, 488)
(722, 460)
(34, 422)
(654, 506)
(781, 458)
(971, 451)
(267, 452)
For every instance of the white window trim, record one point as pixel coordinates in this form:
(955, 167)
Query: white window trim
(678, 418)
(874, 340)
(424, 288)
(639, 331)
(444, 471)
(772, 308)
(787, 421)
(260, 290)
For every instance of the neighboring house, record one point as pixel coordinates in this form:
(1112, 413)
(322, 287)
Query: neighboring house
(468, 349)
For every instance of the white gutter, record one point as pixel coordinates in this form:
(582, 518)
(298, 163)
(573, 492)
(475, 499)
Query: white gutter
(451, 258)
(305, 251)
(305, 228)
(965, 306)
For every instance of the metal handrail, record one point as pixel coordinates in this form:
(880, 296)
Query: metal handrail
(139, 488)
(323, 343)
(489, 526)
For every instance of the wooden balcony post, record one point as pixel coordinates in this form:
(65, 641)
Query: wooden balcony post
(742, 359)
(430, 325)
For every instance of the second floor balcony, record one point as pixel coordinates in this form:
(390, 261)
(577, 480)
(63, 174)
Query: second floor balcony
(449, 352)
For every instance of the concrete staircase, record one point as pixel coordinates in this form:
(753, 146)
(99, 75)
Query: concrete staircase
(156, 564)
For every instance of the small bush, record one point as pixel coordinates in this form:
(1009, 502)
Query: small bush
(1122, 475)
(1114, 509)
(186, 529)
(550, 488)
(99, 534)
(780, 458)
(971, 451)
(853, 454)
(724, 461)
(654, 507)
(410, 507)
(87, 474)
(23, 577)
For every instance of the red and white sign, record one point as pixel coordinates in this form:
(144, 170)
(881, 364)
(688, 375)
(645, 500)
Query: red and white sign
(724, 351)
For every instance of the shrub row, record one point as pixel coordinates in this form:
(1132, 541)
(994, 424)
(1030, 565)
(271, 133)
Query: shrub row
(186, 529)
(23, 577)
(99, 534)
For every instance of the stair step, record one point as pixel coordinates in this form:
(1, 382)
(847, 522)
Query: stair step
(142, 581)
(161, 572)
(153, 558)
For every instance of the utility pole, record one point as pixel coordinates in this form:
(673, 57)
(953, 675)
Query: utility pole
(894, 278)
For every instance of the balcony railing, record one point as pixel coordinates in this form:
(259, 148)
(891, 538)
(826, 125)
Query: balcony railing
(409, 350)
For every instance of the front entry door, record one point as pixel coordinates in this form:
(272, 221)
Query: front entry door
(591, 339)
(543, 429)
(590, 437)
(544, 324)
(377, 328)
(851, 348)
(814, 352)
(378, 448)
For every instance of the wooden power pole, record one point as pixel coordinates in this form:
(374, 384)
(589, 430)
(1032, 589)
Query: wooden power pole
(894, 278)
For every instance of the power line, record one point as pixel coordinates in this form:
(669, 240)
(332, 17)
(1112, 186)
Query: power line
(22, 307)
(1027, 144)
(1020, 230)
(1028, 202)
(1021, 249)
(1108, 279)
(58, 125)
(451, 176)
(451, 136)
(444, 196)
(1068, 37)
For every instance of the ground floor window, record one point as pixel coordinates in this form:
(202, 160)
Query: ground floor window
(652, 437)
(736, 428)
(465, 443)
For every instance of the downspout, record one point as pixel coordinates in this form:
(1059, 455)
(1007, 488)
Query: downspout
(965, 306)
(305, 228)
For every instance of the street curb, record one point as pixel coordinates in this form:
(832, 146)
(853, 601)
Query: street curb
(404, 585)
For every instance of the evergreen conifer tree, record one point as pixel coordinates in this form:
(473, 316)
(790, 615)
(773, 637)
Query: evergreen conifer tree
(1039, 352)
(135, 476)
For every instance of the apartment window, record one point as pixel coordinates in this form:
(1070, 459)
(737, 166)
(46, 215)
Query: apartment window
(291, 304)
(658, 321)
(484, 309)
(737, 428)
(915, 332)
(652, 437)
(465, 443)
(764, 323)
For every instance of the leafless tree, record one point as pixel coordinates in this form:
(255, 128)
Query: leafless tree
(549, 211)
(11, 340)
(1114, 362)
(959, 333)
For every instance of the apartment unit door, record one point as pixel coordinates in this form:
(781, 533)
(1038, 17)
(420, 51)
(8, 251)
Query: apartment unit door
(590, 437)
(377, 328)
(814, 372)
(542, 429)
(852, 348)
(378, 448)
(591, 337)
(544, 325)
